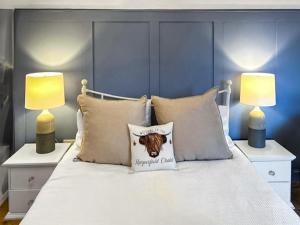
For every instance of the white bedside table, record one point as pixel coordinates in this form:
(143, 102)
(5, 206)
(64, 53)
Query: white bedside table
(273, 163)
(27, 173)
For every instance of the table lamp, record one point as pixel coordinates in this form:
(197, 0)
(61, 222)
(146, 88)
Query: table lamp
(257, 89)
(44, 91)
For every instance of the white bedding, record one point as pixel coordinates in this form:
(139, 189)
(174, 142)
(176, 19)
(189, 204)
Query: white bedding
(227, 192)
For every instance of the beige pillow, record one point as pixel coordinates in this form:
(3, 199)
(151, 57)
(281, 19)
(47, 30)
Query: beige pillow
(106, 136)
(198, 133)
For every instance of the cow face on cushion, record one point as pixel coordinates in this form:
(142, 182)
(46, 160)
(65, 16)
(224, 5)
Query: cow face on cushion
(153, 142)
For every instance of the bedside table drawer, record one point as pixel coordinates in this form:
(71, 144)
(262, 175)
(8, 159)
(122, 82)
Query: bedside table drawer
(274, 171)
(283, 189)
(29, 178)
(21, 201)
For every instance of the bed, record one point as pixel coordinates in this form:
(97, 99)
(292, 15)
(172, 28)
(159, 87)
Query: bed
(225, 192)
(199, 192)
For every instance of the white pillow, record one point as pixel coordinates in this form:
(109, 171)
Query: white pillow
(148, 112)
(80, 128)
(152, 147)
(224, 112)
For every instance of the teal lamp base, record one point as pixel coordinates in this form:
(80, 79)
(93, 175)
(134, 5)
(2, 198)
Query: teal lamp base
(257, 128)
(256, 138)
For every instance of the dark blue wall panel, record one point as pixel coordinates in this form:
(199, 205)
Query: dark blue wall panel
(167, 53)
(121, 58)
(185, 58)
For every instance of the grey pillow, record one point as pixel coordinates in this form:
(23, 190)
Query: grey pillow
(106, 137)
(198, 133)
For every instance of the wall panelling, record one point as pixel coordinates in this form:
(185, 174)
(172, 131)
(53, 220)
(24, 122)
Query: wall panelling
(167, 53)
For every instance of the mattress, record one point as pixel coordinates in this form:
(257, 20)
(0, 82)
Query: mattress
(227, 192)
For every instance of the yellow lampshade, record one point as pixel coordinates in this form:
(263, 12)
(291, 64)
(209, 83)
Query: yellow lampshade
(44, 90)
(258, 89)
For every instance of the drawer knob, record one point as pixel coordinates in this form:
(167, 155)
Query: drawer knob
(29, 203)
(271, 173)
(30, 179)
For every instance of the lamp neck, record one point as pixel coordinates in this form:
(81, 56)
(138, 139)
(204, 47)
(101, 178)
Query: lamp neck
(45, 111)
(257, 109)
(257, 119)
(45, 122)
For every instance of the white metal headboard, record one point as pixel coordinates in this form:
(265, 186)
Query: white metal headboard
(84, 91)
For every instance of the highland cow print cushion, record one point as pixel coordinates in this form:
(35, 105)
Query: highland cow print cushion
(152, 147)
(105, 135)
(198, 130)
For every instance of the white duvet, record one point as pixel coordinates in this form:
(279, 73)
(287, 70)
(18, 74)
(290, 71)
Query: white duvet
(227, 192)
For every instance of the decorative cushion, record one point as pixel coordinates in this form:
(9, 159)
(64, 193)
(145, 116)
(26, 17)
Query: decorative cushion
(198, 132)
(80, 128)
(152, 147)
(106, 137)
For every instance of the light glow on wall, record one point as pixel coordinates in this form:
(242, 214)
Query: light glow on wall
(249, 45)
(54, 45)
(250, 58)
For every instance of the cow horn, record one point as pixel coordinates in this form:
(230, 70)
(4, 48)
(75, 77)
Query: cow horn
(145, 135)
(138, 135)
(167, 134)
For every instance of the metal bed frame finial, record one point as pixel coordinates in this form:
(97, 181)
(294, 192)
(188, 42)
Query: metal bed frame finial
(83, 88)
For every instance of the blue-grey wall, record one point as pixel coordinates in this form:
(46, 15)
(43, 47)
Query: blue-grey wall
(6, 125)
(167, 53)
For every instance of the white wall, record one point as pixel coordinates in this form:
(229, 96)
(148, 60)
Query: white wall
(153, 4)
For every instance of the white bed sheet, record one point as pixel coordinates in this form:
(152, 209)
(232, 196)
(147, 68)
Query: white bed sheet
(227, 192)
